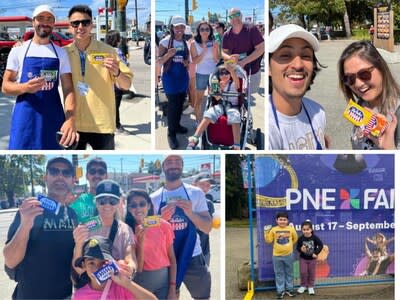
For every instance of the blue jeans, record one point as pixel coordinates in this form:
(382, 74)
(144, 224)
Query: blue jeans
(283, 268)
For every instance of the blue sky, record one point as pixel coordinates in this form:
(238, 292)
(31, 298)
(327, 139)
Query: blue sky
(166, 8)
(61, 7)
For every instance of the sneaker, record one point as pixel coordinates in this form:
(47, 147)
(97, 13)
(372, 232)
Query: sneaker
(311, 291)
(173, 142)
(301, 290)
(189, 110)
(182, 130)
(280, 295)
(192, 143)
(290, 293)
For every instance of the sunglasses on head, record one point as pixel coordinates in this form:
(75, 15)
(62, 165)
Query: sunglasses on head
(56, 172)
(238, 14)
(84, 23)
(100, 171)
(134, 205)
(224, 73)
(107, 200)
(205, 29)
(363, 74)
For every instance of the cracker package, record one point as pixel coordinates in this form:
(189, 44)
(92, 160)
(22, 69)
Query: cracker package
(97, 58)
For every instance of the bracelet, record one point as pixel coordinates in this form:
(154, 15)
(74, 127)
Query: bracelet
(119, 73)
(172, 283)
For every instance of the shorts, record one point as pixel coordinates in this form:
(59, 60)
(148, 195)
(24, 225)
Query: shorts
(214, 112)
(201, 81)
(198, 278)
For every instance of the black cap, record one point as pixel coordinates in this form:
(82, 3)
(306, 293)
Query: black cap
(60, 159)
(108, 188)
(95, 247)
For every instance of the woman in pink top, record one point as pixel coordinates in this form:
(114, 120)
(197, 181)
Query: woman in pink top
(154, 246)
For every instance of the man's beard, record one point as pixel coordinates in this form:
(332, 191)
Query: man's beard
(173, 175)
(43, 34)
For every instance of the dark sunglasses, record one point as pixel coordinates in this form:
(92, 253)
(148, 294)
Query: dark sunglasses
(205, 29)
(224, 73)
(107, 200)
(84, 23)
(56, 172)
(93, 171)
(363, 74)
(238, 14)
(134, 205)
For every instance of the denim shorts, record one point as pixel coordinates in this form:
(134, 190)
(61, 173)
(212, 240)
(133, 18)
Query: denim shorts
(214, 112)
(201, 81)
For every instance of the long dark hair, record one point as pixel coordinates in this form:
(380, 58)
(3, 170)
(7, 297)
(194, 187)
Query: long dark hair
(113, 38)
(197, 38)
(366, 51)
(309, 224)
(129, 219)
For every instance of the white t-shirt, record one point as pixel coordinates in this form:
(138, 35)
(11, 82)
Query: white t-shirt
(295, 132)
(16, 57)
(207, 65)
(196, 195)
(178, 45)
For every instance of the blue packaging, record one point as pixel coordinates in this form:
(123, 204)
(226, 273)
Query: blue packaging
(103, 274)
(49, 204)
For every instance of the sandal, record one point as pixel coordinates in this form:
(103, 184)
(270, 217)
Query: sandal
(235, 147)
(193, 141)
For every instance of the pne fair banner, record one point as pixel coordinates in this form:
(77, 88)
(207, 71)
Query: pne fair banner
(349, 198)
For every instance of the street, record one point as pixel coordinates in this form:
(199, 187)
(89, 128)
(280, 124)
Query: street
(7, 286)
(257, 110)
(139, 124)
(325, 89)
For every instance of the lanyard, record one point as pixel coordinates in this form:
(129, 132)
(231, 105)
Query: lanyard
(82, 56)
(319, 146)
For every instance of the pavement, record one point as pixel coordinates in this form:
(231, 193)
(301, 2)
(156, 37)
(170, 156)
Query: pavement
(138, 124)
(257, 110)
(325, 89)
(7, 286)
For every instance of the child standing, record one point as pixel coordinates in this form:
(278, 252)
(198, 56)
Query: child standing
(283, 238)
(309, 246)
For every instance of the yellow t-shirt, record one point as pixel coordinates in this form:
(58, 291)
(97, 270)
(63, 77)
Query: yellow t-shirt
(283, 239)
(95, 112)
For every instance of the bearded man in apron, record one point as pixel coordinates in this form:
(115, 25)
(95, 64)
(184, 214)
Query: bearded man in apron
(185, 207)
(33, 72)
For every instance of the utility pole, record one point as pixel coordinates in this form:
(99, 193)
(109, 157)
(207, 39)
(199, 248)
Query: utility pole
(31, 169)
(187, 11)
(137, 26)
(107, 16)
(121, 24)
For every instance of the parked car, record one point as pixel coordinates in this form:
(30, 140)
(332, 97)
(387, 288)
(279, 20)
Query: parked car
(214, 194)
(4, 204)
(319, 33)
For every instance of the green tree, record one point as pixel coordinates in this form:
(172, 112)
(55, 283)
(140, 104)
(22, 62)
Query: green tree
(235, 194)
(15, 174)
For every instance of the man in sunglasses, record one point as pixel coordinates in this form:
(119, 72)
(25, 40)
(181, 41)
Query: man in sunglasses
(95, 69)
(39, 246)
(185, 207)
(85, 205)
(33, 73)
(244, 44)
(295, 122)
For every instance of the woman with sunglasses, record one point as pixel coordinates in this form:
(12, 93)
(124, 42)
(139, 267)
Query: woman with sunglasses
(365, 77)
(204, 52)
(154, 246)
(120, 235)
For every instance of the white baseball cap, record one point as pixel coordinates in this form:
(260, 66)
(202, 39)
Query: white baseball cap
(178, 20)
(282, 33)
(43, 8)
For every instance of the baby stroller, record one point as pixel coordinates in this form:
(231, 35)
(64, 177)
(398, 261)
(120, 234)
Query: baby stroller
(219, 135)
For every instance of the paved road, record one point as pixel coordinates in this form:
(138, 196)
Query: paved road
(138, 124)
(325, 89)
(257, 109)
(7, 286)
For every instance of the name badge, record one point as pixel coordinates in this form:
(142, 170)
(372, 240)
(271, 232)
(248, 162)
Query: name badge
(83, 88)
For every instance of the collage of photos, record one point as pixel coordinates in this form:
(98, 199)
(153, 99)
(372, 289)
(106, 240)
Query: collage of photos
(141, 157)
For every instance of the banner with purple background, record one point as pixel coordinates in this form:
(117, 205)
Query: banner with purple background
(348, 197)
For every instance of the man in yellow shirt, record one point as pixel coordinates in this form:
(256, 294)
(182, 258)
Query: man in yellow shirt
(95, 69)
(283, 238)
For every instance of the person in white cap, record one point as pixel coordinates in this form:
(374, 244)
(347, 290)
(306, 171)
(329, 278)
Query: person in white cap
(185, 207)
(295, 122)
(32, 74)
(174, 56)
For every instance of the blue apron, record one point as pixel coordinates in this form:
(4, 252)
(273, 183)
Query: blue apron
(37, 117)
(185, 238)
(176, 79)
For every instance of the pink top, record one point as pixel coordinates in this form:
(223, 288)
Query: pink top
(116, 292)
(157, 241)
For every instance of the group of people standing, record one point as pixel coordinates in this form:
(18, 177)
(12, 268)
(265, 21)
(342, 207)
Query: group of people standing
(87, 115)
(188, 65)
(152, 239)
